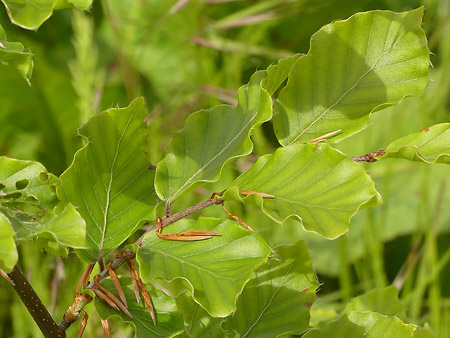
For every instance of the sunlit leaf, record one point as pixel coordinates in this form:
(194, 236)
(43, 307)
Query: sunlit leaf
(430, 145)
(31, 14)
(109, 181)
(168, 319)
(354, 67)
(28, 200)
(278, 297)
(278, 73)
(215, 270)
(364, 324)
(315, 183)
(384, 301)
(210, 138)
(14, 54)
(8, 250)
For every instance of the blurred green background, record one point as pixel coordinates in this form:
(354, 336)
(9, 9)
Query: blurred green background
(182, 59)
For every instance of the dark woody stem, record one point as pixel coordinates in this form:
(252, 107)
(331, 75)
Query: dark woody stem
(37, 310)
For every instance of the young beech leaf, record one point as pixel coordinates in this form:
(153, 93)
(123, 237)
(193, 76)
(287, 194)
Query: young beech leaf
(31, 14)
(210, 138)
(278, 297)
(315, 183)
(430, 145)
(356, 66)
(215, 270)
(109, 182)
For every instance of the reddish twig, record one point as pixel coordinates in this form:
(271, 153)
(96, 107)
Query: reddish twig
(370, 157)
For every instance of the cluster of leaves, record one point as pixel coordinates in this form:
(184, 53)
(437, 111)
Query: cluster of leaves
(234, 284)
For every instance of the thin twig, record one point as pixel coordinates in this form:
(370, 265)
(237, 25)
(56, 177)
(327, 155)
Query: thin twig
(370, 157)
(128, 255)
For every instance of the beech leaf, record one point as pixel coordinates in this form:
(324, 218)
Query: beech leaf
(277, 299)
(354, 67)
(102, 180)
(215, 270)
(430, 145)
(8, 250)
(14, 54)
(210, 138)
(31, 14)
(314, 183)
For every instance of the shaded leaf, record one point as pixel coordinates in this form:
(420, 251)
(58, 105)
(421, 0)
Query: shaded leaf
(109, 182)
(354, 67)
(169, 320)
(215, 270)
(315, 183)
(31, 14)
(8, 250)
(197, 322)
(430, 145)
(14, 54)
(364, 324)
(277, 299)
(210, 138)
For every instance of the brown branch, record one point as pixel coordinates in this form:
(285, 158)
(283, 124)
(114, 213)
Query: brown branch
(37, 310)
(128, 255)
(370, 157)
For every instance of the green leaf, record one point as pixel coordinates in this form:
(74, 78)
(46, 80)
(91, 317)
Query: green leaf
(354, 67)
(210, 138)
(169, 321)
(8, 250)
(109, 181)
(364, 324)
(31, 14)
(277, 74)
(215, 270)
(277, 299)
(430, 145)
(28, 200)
(384, 301)
(315, 183)
(197, 322)
(14, 54)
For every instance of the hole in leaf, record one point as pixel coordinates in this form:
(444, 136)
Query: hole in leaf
(14, 195)
(43, 176)
(32, 199)
(2, 186)
(53, 188)
(22, 184)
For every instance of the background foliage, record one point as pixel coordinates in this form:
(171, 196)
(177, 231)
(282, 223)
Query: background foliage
(195, 57)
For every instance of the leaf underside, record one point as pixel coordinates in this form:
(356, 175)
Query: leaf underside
(430, 145)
